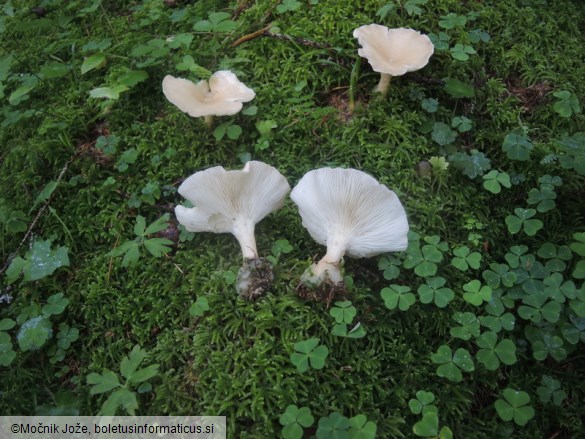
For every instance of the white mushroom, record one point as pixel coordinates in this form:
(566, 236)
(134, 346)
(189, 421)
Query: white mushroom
(351, 213)
(222, 95)
(393, 52)
(233, 202)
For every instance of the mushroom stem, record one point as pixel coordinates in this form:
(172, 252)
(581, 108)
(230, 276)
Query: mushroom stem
(384, 83)
(244, 232)
(328, 268)
(209, 122)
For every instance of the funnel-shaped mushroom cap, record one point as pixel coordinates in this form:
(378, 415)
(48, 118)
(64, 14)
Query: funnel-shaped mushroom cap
(349, 206)
(222, 198)
(393, 51)
(222, 95)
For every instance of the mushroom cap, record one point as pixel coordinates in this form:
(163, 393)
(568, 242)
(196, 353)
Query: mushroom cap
(222, 95)
(351, 206)
(393, 51)
(221, 197)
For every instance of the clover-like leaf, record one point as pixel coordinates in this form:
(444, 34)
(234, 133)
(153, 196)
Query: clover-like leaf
(361, 428)
(515, 406)
(434, 290)
(450, 365)
(333, 426)
(428, 425)
(199, 308)
(550, 391)
(475, 293)
(469, 325)
(309, 352)
(517, 145)
(522, 220)
(343, 312)
(398, 296)
(293, 420)
(494, 180)
(422, 403)
(493, 352)
(465, 258)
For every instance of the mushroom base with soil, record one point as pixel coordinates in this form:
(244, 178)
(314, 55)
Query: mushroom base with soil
(255, 278)
(322, 282)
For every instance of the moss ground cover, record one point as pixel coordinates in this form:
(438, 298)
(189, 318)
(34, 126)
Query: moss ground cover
(477, 329)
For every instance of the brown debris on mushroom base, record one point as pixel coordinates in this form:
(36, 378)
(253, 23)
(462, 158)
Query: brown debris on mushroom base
(255, 278)
(326, 292)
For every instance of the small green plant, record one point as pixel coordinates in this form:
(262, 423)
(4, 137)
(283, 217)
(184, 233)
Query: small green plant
(36, 330)
(333, 426)
(155, 246)
(475, 293)
(398, 296)
(434, 290)
(522, 220)
(294, 419)
(199, 308)
(280, 247)
(567, 103)
(472, 165)
(469, 325)
(515, 407)
(550, 391)
(39, 262)
(494, 180)
(465, 258)
(451, 364)
(309, 353)
(517, 145)
(123, 395)
(288, 5)
(492, 352)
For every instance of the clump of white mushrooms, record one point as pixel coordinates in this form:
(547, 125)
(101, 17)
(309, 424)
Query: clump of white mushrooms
(393, 52)
(234, 202)
(222, 95)
(351, 213)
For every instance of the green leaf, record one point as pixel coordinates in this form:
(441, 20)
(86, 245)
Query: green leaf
(34, 333)
(412, 6)
(133, 77)
(55, 70)
(309, 352)
(494, 180)
(7, 354)
(567, 103)
(95, 61)
(6, 324)
(293, 420)
(550, 391)
(343, 312)
(427, 426)
(475, 293)
(102, 383)
(144, 374)
(198, 308)
(40, 261)
(434, 291)
(469, 325)
(45, 194)
(130, 363)
(56, 304)
(120, 398)
(108, 92)
(442, 134)
(333, 426)
(458, 89)
(361, 428)
(515, 406)
(158, 246)
(157, 226)
(517, 145)
(472, 165)
(398, 296)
